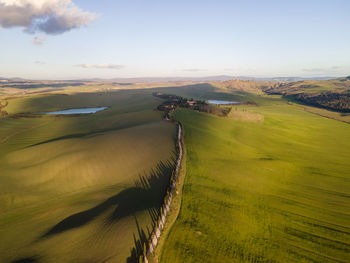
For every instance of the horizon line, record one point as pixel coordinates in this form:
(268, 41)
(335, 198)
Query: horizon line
(179, 77)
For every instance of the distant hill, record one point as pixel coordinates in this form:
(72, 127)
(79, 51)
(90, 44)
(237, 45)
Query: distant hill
(344, 79)
(170, 79)
(332, 94)
(158, 79)
(250, 86)
(12, 79)
(207, 78)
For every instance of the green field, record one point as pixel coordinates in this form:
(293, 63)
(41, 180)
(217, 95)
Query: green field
(68, 189)
(270, 183)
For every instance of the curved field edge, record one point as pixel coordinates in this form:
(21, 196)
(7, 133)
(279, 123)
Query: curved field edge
(276, 191)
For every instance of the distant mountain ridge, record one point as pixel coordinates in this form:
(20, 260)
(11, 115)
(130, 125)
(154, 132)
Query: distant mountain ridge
(207, 78)
(175, 79)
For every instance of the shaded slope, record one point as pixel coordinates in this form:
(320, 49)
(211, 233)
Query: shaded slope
(330, 94)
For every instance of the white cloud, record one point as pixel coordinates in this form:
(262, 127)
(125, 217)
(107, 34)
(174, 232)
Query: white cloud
(48, 16)
(38, 40)
(101, 66)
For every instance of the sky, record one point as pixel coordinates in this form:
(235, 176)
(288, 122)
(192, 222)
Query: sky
(72, 39)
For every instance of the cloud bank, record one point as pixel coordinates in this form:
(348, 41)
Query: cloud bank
(52, 17)
(101, 66)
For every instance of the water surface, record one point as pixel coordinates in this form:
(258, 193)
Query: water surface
(222, 102)
(75, 111)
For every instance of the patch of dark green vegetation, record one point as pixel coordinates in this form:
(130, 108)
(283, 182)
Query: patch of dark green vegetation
(173, 101)
(329, 94)
(332, 101)
(122, 83)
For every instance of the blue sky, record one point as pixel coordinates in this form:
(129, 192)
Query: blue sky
(133, 38)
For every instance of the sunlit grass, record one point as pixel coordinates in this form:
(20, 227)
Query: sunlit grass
(272, 191)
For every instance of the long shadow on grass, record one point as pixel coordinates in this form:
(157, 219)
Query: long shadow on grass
(85, 135)
(33, 259)
(147, 194)
(143, 235)
(140, 244)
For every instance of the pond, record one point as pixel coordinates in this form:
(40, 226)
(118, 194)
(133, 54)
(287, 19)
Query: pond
(222, 102)
(75, 111)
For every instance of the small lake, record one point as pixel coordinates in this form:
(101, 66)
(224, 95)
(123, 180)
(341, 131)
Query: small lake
(222, 102)
(75, 111)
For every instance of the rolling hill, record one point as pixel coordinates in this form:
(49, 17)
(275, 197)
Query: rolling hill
(330, 94)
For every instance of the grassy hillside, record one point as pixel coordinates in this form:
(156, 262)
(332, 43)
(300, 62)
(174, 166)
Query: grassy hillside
(331, 94)
(68, 189)
(254, 87)
(269, 184)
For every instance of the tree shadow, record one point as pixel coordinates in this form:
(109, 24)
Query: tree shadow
(33, 259)
(140, 244)
(142, 240)
(147, 194)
